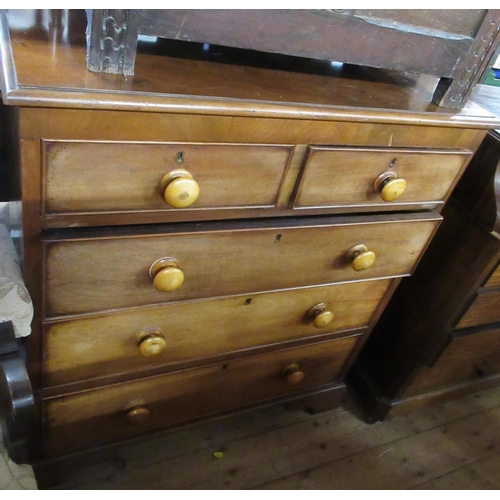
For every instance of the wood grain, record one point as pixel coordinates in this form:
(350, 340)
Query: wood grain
(334, 177)
(494, 279)
(480, 475)
(355, 36)
(269, 445)
(466, 359)
(75, 128)
(485, 309)
(96, 125)
(103, 177)
(106, 344)
(101, 273)
(406, 463)
(89, 417)
(49, 66)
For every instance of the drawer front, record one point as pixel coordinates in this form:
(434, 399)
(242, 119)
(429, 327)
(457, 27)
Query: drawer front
(345, 177)
(484, 310)
(97, 415)
(98, 273)
(114, 343)
(110, 177)
(467, 358)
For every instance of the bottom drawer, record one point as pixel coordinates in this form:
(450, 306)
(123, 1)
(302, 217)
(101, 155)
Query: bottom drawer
(484, 310)
(121, 410)
(467, 358)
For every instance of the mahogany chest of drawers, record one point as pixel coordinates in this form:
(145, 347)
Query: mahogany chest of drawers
(218, 240)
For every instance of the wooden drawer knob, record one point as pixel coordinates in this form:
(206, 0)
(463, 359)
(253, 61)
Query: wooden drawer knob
(389, 185)
(360, 257)
(320, 315)
(136, 412)
(166, 274)
(292, 374)
(150, 341)
(179, 188)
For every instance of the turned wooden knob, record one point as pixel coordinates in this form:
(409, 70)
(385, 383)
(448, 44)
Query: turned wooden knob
(136, 412)
(360, 257)
(166, 274)
(179, 188)
(150, 341)
(292, 374)
(389, 185)
(320, 315)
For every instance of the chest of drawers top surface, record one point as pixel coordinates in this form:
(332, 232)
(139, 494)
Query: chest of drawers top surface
(43, 61)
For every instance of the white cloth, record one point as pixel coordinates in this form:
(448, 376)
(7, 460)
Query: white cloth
(14, 476)
(15, 301)
(15, 306)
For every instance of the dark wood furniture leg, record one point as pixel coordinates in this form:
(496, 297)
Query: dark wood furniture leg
(16, 396)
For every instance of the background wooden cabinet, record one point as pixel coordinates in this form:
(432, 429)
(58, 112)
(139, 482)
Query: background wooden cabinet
(439, 336)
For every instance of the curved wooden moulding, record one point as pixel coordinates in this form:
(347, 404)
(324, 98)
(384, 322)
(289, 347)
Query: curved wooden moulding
(496, 184)
(16, 396)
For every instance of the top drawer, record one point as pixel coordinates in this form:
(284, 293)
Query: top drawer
(90, 177)
(361, 177)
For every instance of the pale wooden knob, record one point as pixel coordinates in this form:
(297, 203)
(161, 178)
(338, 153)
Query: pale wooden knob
(292, 374)
(151, 341)
(360, 257)
(389, 185)
(320, 315)
(179, 188)
(136, 412)
(166, 274)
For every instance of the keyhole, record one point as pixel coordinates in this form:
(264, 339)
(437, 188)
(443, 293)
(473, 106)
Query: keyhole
(278, 238)
(180, 157)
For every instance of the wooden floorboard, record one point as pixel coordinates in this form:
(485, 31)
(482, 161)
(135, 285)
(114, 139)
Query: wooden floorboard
(448, 446)
(481, 475)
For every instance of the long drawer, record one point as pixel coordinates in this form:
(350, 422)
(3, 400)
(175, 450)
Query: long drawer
(121, 410)
(484, 310)
(142, 339)
(100, 271)
(357, 177)
(466, 359)
(93, 177)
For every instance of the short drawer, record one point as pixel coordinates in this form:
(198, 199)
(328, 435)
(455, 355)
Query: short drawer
(130, 408)
(354, 177)
(484, 310)
(92, 177)
(467, 358)
(102, 271)
(142, 339)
